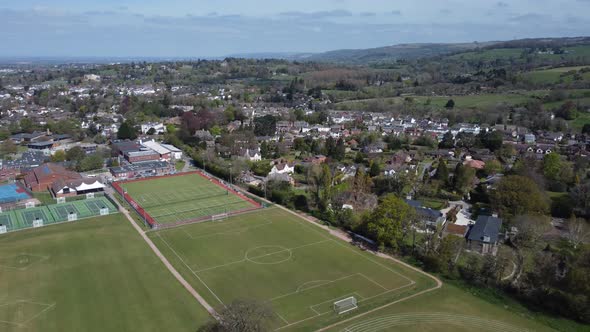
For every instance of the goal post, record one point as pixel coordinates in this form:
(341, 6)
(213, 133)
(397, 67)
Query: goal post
(38, 223)
(345, 305)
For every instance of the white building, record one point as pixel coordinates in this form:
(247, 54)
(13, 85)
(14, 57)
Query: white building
(158, 127)
(282, 168)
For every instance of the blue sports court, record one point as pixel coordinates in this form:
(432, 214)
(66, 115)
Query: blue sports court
(12, 193)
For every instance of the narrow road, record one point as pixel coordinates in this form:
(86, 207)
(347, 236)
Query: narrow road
(164, 260)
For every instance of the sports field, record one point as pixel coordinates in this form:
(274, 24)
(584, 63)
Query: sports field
(93, 275)
(185, 197)
(276, 257)
(50, 214)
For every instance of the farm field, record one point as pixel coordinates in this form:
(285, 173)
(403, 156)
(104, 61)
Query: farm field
(555, 75)
(185, 197)
(93, 275)
(280, 259)
(475, 101)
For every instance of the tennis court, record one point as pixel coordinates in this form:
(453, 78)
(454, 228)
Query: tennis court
(186, 197)
(30, 215)
(82, 208)
(12, 193)
(23, 218)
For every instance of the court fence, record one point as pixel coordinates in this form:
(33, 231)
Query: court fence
(151, 222)
(32, 216)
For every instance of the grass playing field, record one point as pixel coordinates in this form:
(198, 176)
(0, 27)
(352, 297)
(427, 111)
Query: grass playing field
(278, 258)
(93, 275)
(448, 309)
(185, 197)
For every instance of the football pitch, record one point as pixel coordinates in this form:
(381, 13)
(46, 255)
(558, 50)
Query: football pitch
(93, 275)
(191, 196)
(280, 259)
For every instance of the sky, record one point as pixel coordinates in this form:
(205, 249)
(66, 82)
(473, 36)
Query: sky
(211, 28)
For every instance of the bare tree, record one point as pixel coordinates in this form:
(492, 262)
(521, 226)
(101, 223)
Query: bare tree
(242, 316)
(577, 231)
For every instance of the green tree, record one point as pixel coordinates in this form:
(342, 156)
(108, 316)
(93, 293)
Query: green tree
(127, 131)
(340, 150)
(518, 195)
(75, 154)
(90, 163)
(58, 156)
(463, 178)
(447, 142)
(8, 147)
(387, 224)
(151, 131)
(374, 169)
(586, 128)
(492, 167)
(450, 104)
(442, 171)
(552, 166)
(492, 140)
(265, 125)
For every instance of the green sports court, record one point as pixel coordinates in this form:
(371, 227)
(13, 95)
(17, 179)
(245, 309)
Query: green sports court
(50, 214)
(180, 198)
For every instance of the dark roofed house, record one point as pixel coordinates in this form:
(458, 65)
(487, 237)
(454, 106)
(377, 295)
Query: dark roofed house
(483, 237)
(432, 218)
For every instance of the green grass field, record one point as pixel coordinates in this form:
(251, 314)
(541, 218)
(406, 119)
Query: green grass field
(447, 309)
(180, 198)
(300, 270)
(554, 75)
(475, 101)
(92, 275)
(278, 258)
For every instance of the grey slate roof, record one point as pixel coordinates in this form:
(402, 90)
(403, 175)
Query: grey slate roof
(485, 227)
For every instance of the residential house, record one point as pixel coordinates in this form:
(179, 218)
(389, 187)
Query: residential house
(158, 127)
(483, 237)
(432, 218)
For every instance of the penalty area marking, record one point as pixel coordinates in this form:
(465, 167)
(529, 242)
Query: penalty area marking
(48, 306)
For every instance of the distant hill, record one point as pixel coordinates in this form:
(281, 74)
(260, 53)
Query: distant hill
(395, 52)
(413, 51)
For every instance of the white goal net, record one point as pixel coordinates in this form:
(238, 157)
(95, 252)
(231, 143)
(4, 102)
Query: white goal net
(104, 211)
(3, 229)
(221, 216)
(89, 195)
(61, 200)
(29, 205)
(37, 223)
(72, 216)
(345, 305)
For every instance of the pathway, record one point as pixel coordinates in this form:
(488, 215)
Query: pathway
(164, 260)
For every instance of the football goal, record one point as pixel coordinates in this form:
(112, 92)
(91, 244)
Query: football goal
(217, 217)
(3, 229)
(345, 305)
(38, 223)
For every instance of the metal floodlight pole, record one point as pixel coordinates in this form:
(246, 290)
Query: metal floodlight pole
(230, 172)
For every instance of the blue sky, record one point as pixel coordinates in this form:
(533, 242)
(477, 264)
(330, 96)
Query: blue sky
(193, 28)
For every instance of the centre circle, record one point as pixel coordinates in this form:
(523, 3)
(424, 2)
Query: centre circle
(268, 255)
